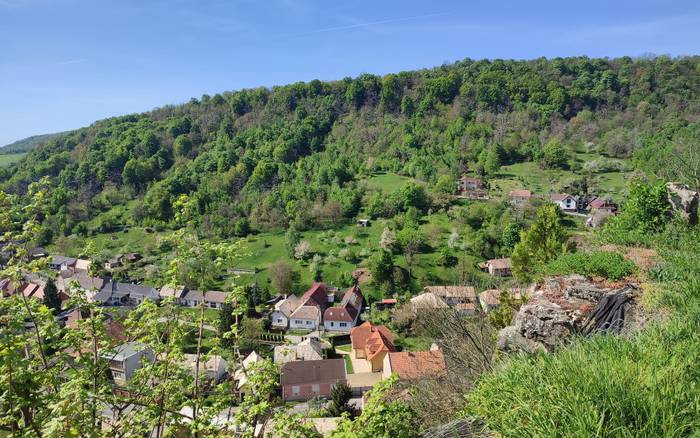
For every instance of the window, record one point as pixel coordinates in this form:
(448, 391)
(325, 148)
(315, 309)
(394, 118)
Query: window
(295, 390)
(308, 322)
(279, 320)
(332, 323)
(315, 389)
(343, 324)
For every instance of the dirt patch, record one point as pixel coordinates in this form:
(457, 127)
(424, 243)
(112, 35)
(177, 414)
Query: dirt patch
(644, 258)
(362, 275)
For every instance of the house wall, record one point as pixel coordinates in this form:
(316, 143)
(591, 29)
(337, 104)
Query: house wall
(567, 204)
(386, 367)
(307, 324)
(377, 363)
(359, 353)
(338, 326)
(306, 391)
(278, 319)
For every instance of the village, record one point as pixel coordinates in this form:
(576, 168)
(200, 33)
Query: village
(326, 337)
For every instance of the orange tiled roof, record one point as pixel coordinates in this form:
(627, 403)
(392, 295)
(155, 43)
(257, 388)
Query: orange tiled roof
(376, 343)
(409, 365)
(359, 335)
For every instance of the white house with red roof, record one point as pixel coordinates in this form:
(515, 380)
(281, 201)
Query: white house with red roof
(565, 201)
(344, 316)
(308, 315)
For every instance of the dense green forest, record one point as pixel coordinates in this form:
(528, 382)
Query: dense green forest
(262, 159)
(27, 144)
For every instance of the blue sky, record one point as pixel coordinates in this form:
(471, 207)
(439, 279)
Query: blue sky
(67, 63)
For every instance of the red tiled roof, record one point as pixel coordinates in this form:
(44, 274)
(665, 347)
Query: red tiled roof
(317, 295)
(377, 342)
(348, 308)
(520, 193)
(360, 334)
(388, 301)
(556, 197)
(500, 263)
(409, 365)
(33, 290)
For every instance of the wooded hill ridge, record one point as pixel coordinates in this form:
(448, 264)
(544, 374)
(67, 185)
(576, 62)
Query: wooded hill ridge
(264, 158)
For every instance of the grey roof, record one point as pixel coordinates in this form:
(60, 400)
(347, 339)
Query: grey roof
(123, 289)
(212, 296)
(124, 351)
(60, 260)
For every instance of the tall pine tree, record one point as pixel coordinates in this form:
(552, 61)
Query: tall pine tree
(51, 298)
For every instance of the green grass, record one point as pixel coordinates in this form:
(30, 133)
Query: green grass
(530, 176)
(265, 249)
(210, 315)
(387, 182)
(8, 159)
(348, 364)
(607, 386)
(345, 348)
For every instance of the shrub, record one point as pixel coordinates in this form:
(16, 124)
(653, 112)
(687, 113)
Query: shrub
(610, 265)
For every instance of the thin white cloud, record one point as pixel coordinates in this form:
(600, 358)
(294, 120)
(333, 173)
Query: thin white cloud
(71, 62)
(366, 24)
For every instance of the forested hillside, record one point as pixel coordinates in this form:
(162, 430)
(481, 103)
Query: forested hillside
(27, 144)
(261, 159)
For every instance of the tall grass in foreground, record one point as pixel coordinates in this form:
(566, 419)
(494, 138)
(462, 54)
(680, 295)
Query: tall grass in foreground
(607, 386)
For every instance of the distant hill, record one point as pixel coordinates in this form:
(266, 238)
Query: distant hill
(27, 144)
(262, 159)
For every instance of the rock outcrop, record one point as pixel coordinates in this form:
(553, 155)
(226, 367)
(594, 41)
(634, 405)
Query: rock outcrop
(684, 201)
(556, 309)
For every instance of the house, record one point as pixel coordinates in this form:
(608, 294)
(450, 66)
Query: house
(283, 310)
(415, 365)
(364, 223)
(212, 298)
(9, 287)
(213, 370)
(308, 379)
(82, 265)
(177, 293)
(131, 257)
(308, 349)
(427, 301)
(344, 316)
(600, 204)
(565, 202)
(372, 343)
(125, 359)
(453, 295)
(466, 309)
(62, 263)
(241, 375)
(114, 293)
(113, 263)
(113, 328)
(598, 218)
(499, 267)
(38, 253)
(313, 303)
(34, 290)
(519, 198)
(490, 299)
(66, 282)
(386, 303)
(468, 184)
